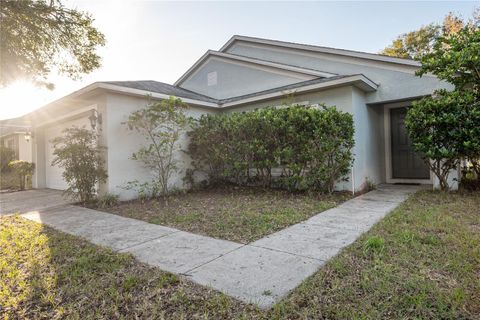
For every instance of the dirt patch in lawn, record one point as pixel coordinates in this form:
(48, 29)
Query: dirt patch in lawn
(237, 214)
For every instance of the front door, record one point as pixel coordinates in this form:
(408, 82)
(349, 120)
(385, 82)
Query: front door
(406, 163)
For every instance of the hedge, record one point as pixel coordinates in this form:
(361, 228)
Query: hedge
(295, 148)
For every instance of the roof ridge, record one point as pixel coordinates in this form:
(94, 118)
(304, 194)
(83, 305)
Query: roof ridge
(313, 46)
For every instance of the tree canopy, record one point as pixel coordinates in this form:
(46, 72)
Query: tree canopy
(39, 36)
(417, 43)
(446, 126)
(456, 59)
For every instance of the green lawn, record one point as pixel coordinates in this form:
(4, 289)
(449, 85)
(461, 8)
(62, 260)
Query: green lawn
(46, 274)
(237, 214)
(421, 262)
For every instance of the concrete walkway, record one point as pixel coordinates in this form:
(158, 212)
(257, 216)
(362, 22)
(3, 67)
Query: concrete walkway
(30, 200)
(261, 272)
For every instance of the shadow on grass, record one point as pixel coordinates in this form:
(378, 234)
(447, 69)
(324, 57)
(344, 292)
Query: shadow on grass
(50, 275)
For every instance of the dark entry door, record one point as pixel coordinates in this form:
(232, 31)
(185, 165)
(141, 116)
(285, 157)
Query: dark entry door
(406, 163)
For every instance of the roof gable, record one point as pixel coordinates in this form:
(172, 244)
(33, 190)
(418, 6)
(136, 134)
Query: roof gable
(266, 65)
(321, 49)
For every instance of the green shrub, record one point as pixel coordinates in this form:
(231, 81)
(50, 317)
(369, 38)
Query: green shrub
(6, 156)
(309, 147)
(79, 154)
(22, 169)
(162, 124)
(445, 129)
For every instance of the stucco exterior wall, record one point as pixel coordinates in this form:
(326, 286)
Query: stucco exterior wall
(339, 97)
(122, 143)
(395, 82)
(369, 142)
(234, 79)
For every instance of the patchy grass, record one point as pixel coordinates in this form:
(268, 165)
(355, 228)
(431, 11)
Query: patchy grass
(46, 274)
(421, 262)
(236, 214)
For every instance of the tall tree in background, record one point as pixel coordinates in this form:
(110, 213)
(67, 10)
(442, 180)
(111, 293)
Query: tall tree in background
(415, 44)
(39, 36)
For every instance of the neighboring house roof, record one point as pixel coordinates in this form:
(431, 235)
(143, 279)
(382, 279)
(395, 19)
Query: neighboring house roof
(13, 126)
(160, 87)
(265, 63)
(308, 47)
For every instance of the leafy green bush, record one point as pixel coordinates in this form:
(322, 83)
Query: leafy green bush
(22, 169)
(161, 123)
(294, 148)
(79, 154)
(6, 156)
(445, 129)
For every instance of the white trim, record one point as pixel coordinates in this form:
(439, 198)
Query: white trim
(13, 133)
(70, 116)
(193, 67)
(342, 52)
(119, 89)
(388, 146)
(359, 80)
(250, 61)
(144, 93)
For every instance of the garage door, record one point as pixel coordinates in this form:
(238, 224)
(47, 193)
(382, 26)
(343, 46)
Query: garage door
(53, 174)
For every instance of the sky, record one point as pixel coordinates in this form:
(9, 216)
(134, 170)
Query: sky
(154, 40)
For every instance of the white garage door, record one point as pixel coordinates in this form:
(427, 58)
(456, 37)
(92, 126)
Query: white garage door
(53, 174)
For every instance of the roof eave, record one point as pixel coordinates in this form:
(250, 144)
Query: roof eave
(155, 95)
(359, 81)
(192, 68)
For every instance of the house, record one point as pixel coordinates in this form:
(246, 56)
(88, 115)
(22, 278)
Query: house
(248, 73)
(15, 134)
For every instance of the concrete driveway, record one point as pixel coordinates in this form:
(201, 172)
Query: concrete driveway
(31, 200)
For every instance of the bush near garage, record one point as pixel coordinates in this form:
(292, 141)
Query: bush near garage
(22, 169)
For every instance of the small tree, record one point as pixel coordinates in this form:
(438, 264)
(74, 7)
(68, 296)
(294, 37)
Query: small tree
(445, 129)
(79, 154)
(22, 169)
(161, 123)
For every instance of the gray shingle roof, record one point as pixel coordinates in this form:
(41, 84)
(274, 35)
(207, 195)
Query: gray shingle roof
(287, 87)
(160, 87)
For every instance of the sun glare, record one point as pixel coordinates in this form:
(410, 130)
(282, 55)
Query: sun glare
(20, 98)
